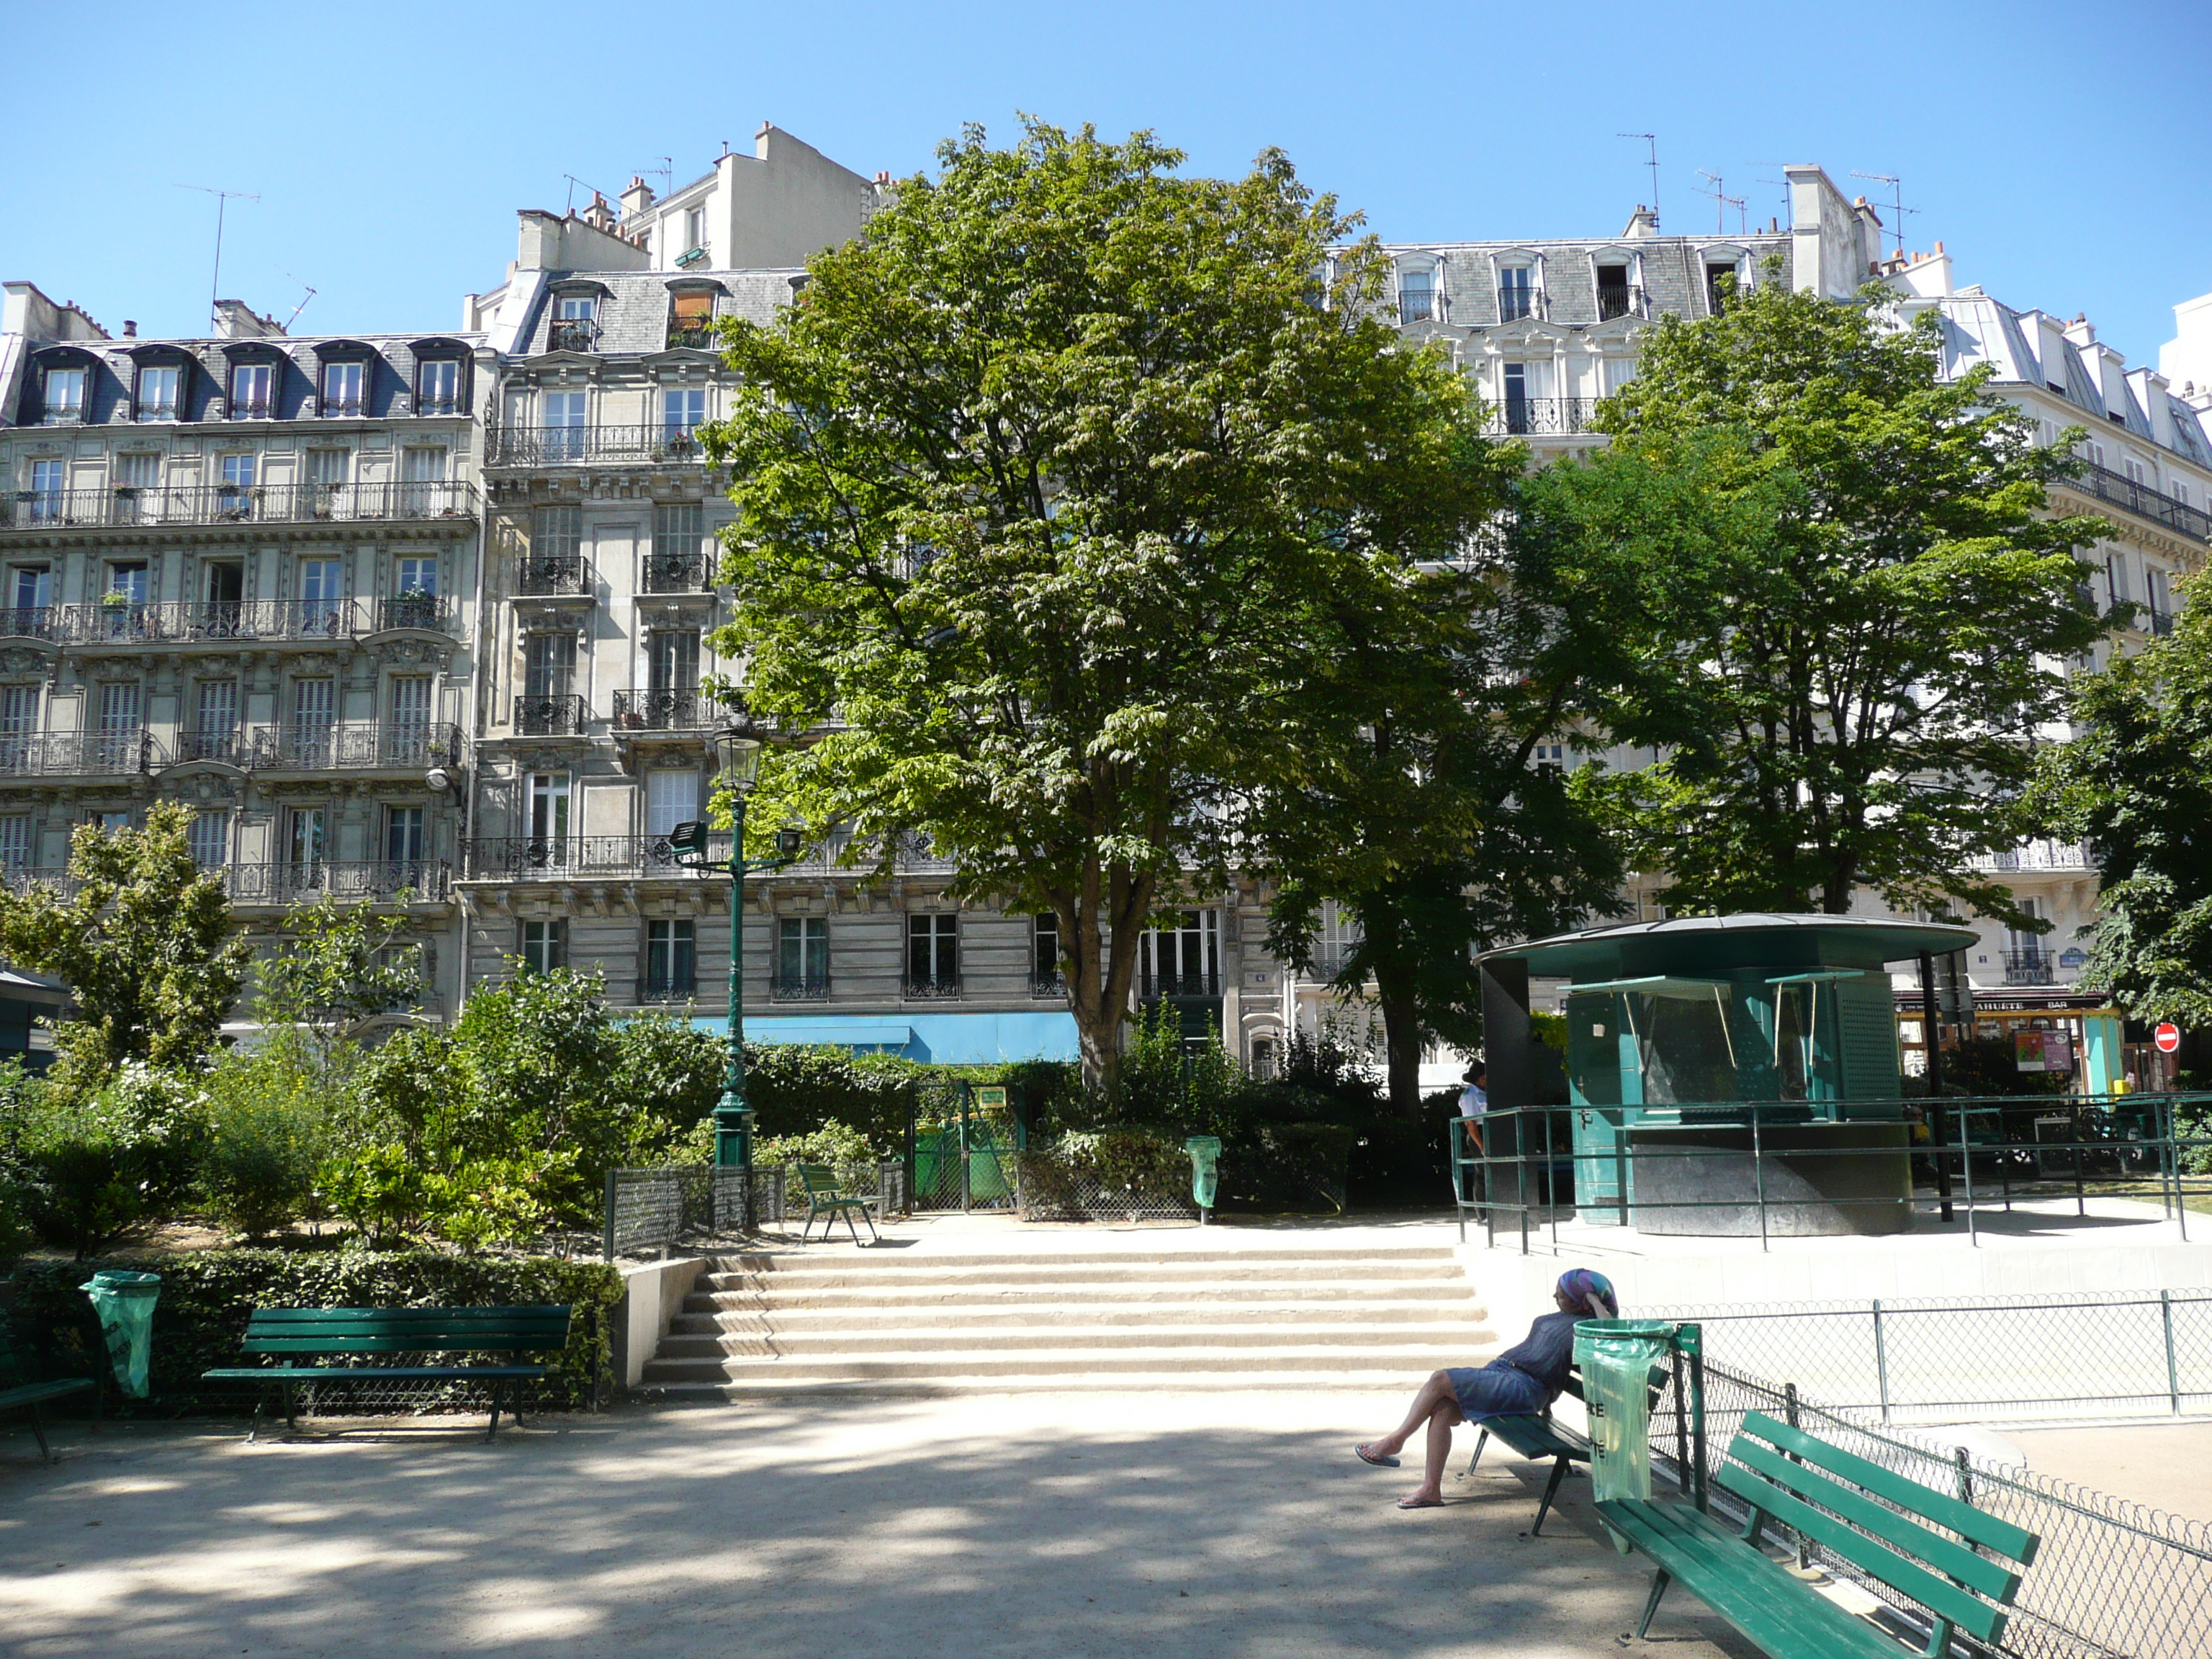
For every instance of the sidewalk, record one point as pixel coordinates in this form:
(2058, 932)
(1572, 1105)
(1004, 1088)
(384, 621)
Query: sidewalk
(1039, 1528)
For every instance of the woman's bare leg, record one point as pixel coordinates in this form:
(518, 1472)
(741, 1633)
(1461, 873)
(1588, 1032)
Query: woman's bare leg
(1436, 1390)
(1442, 1421)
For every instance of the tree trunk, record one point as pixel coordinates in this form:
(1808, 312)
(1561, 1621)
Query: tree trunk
(1100, 963)
(1402, 1037)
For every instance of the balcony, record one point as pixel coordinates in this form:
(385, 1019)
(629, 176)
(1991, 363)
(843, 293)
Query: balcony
(1178, 987)
(1420, 305)
(661, 711)
(695, 333)
(352, 746)
(419, 881)
(230, 748)
(27, 623)
(551, 717)
(2142, 501)
(182, 621)
(799, 988)
(1528, 417)
(2157, 623)
(2030, 966)
(1615, 301)
(428, 613)
(79, 754)
(571, 858)
(681, 985)
(553, 575)
(126, 507)
(572, 446)
(1515, 303)
(2040, 855)
(675, 573)
(939, 989)
(572, 334)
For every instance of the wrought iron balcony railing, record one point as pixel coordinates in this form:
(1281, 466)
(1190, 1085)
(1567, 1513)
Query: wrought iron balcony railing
(432, 613)
(552, 575)
(1614, 301)
(2029, 968)
(2142, 501)
(680, 986)
(944, 989)
(26, 622)
(675, 573)
(1048, 985)
(567, 858)
(2158, 624)
(697, 332)
(799, 988)
(1522, 417)
(79, 754)
(1178, 985)
(127, 505)
(661, 711)
(184, 621)
(230, 746)
(572, 334)
(568, 445)
(353, 745)
(551, 717)
(420, 880)
(1420, 305)
(1515, 303)
(2041, 854)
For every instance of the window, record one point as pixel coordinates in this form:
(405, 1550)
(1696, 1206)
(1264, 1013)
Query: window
(209, 840)
(682, 410)
(691, 317)
(304, 843)
(1615, 373)
(549, 807)
(329, 469)
(1516, 293)
(802, 956)
(250, 385)
(1517, 398)
(422, 473)
(932, 954)
(677, 563)
(417, 575)
(673, 664)
(577, 307)
(137, 469)
(1183, 959)
(160, 387)
(1264, 1049)
(114, 822)
(1552, 757)
(1720, 286)
(564, 425)
(2159, 593)
(342, 388)
(403, 842)
(319, 607)
(2116, 577)
(1612, 292)
(31, 588)
(1417, 296)
(670, 799)
(556, 532)
(671, 959)
(225, 583)
(14, 840)
(130, 580)
(215, 721)
(314, 716)
(239, 472)
(2135, 471)
(575, 323)
(695, 228)
(411, 707)
(48, 479)
(545, 946)
(438, 387)
(1044, 955)
(548, 665)
(19, 720)
(64, 398)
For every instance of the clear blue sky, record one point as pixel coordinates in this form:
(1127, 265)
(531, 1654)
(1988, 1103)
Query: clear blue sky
(2062, 153)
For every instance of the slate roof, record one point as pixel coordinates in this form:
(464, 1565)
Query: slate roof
(634, 305)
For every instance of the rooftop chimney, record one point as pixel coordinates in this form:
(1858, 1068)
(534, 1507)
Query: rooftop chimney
(129, 329)
(1641, 223)
(236, 320)
(638, 197)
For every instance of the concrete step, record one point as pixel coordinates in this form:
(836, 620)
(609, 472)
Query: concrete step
(800, 1384)
(896, 1260)
(893, 1300)
(1033, 1272)
(696, 1320)
(1404, 1362)
(1091, 1341)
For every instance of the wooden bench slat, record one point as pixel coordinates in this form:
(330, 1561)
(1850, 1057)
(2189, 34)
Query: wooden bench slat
(1976, 1526)
(1535, 1437)
(370, 1373)
(1781, 1614)
(1991, 1577)
(29, 1394)
(1938, 1596)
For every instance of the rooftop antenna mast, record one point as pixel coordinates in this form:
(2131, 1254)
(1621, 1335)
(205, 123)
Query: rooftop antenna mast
(1897, 208)
(300, 307)
(1652, 140)
(222, 200)
(1721, 202)
(1782, 219)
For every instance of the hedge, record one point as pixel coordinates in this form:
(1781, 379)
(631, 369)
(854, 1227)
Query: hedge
(207, 1298)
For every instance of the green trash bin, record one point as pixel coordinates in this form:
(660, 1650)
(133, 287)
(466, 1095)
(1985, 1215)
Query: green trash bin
(1205, 1172)
(125, 1302)
(1619, 1360)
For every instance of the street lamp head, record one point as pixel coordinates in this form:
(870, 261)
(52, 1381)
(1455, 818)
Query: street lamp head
(739, 752)
(788, 844)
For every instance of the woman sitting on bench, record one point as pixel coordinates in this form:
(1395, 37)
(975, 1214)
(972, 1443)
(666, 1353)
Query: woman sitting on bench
(1519, 1383)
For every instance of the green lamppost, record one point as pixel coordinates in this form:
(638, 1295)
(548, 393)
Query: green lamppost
(739, 752)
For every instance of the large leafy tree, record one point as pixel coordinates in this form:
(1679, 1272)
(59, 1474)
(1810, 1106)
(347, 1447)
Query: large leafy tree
(1039, 486)
(2136, 783)
(1866, 608)
(142, 939)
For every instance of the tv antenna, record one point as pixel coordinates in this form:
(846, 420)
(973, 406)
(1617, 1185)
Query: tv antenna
(1652, 140)
(572, 182)
(1782, 219)
(1721, 202)
(300, 307)
(665, 172)
(1897, 208)
(223, 199)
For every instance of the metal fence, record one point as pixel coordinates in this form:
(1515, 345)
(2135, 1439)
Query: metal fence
(2112, 1578)
(1773, 1168)
(1934, 1359)
(653, 1213)
(1049, 1189)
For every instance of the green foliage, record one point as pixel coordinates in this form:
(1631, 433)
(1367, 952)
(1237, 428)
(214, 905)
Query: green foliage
(1053, 487)
(207, 1298)
(1989, 1066)
(144, 945)
(834, 1144)
(267, 1118)
(335, 966)
(2136, 783)
(93, 1166)
(1838, 614)
(1137, 1164)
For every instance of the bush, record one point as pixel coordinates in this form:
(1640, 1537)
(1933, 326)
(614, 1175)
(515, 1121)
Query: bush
(834, 1144)
(92, 1167)
(266, 1133)
(1109, 1170)
(1286, 1169)
(206, 1299)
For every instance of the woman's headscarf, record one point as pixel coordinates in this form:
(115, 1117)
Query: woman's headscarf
(1594, 1291)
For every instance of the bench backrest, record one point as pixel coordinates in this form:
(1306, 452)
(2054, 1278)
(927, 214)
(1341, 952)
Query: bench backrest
(1782, 1468)
(820, 1180)
(407, 1330)
(14, 1362)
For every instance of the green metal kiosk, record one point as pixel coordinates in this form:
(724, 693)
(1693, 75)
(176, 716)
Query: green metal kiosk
(1727, 1075)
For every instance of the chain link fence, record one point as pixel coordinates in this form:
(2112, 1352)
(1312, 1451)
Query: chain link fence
(1051, 1188)
(2112, 1578)
(656, 1212)
(2022, 1357)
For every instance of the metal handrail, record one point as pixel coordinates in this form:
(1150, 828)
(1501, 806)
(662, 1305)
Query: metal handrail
(81, 754)
(1179, 985)
(183, 621)
(347, 746)
(123, 506)
(805, 987)
(427, 880)
(2142, 500)
(560, 858)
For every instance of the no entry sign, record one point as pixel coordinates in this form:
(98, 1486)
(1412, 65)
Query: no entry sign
(2168, 1036)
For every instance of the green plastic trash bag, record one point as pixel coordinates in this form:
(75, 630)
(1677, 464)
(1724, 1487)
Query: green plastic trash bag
(1617, 1358)
(1205, 1169)
(125, 1302)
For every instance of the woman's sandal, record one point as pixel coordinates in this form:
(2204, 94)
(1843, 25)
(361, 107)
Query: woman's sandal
(1365, 1456)
(1420, 1503)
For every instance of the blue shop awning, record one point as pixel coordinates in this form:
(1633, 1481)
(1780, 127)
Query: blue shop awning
(967, 1039)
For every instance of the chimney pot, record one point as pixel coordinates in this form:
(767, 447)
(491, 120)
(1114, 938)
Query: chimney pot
(1939, 244)
(129, 329)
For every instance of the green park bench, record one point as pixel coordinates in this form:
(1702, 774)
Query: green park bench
(826, 1199)
(1537, 1436)
(19, 1390)
(1880, 1522)
(342, 1333)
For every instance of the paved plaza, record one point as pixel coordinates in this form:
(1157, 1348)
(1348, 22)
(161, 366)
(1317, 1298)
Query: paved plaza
(1042, 1526)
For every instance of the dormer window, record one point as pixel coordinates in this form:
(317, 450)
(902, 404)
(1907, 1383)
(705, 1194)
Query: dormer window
(1613, 291)
(1517, 296)
(438, 388)
(1417, 296)
(1722, 283)
(252, 392)
(575, 323)
(691, 317)
(342, 385)
(64, 396)
(160, 392)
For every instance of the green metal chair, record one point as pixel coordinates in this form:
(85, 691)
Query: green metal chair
(826, 1199)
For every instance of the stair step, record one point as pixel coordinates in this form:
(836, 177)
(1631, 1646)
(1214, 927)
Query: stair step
(903, 1298)
(1119, 1316)
(801, 1384)
(1074, 1365)
(858, 1275)
(895, 1260)
(974, 1341)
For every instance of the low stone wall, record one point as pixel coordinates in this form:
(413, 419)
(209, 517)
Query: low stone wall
(653, 1295)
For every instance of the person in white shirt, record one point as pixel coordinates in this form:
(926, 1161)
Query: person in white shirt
(1474, 1100)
